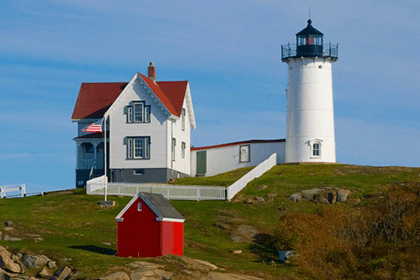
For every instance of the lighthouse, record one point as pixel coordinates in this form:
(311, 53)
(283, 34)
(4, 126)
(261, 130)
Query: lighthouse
(310, 133)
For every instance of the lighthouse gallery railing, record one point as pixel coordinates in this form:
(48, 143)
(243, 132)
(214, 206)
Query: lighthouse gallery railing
(290, 51)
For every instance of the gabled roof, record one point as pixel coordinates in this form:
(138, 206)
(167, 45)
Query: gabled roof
(171, 94)
(237, 143)
(159, 205)
(95, 98)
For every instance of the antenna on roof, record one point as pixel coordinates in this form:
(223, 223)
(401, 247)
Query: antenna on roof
(309, 11)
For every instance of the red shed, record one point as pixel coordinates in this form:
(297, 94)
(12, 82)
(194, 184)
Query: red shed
(149, 226)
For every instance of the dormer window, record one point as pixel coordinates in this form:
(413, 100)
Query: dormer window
(138, 112)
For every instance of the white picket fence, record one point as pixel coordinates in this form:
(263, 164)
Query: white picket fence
(13, 191)
(177, 192)
(96, 186)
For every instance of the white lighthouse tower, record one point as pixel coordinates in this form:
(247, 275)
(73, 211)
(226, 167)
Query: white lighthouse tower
(310, 113)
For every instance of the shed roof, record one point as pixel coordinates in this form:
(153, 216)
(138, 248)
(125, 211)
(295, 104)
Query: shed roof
(162, 205)
(159, 205)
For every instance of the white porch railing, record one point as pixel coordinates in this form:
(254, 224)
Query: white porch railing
(256, 172)
(13, 191)
(96, 186)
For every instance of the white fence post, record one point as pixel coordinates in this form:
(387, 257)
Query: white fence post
(23, 190)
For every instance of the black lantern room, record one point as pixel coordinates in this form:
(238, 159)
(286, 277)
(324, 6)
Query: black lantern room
(309, 41)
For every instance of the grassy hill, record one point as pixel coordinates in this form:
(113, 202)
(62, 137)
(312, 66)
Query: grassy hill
(72, 224)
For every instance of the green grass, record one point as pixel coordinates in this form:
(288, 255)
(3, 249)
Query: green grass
(225, 179)
(74, 226)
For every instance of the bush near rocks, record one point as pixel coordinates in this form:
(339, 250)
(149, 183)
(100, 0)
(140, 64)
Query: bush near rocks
(375, 241)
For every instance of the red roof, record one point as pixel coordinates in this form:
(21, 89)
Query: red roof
(171, 94)
(95, 98)
(236, 143)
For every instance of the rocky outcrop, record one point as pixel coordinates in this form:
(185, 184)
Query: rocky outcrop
(8, 264)
(185, 268)
(35, 261)
(61, 273)
(45, 273)
(243, 233)
(119, 275)
(328, 195)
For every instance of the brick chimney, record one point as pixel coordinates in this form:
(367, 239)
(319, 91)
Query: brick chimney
(151, 72)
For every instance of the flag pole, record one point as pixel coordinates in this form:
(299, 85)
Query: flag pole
(105, 154)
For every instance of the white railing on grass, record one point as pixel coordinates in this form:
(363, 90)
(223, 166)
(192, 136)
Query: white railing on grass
(181, 192)
(177, 192)
(13, 191)
(256, 172)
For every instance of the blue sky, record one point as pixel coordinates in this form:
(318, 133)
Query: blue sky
(230, 53)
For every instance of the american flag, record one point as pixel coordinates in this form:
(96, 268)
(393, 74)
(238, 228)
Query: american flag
(94, 127)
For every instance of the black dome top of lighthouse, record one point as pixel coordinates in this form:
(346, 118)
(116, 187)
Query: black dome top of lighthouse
(309, 43)
(309, 30)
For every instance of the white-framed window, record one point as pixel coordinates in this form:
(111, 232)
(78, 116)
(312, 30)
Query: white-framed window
(173, 149)
(139, 206)
(316, 147)
(244, 153)
(183, 119)
(138, 109)
(183, 145)
(138, 147)
(138, 112)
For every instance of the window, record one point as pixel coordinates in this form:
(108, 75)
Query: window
(183, 119)
(316, 149)
(138, 147)
(139, 206)
(244, 153)
(173, 149)
(138, 112)
(183, 145)
(138, 171)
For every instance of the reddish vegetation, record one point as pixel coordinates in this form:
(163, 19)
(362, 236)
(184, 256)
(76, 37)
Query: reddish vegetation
(377, 241)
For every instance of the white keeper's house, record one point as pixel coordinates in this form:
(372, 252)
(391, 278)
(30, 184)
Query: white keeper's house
(148, 123)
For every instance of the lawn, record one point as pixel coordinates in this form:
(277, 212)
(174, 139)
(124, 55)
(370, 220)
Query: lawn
(74, 226)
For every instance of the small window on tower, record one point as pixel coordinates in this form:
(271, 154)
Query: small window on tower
(139, 206)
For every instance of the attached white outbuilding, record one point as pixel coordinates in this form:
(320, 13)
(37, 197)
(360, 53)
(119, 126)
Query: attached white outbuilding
(216, 159)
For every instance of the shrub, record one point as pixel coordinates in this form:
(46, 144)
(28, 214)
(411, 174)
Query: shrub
(377, 241)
